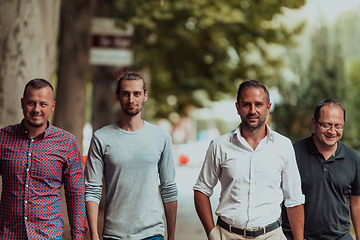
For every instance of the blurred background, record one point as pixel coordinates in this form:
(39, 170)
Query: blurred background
(193, 55)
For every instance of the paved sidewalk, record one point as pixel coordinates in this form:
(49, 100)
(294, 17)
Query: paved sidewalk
(188, 225)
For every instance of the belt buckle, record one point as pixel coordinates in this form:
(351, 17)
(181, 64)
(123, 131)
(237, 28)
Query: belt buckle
(244, 232)
(264, 228)
(229, 228)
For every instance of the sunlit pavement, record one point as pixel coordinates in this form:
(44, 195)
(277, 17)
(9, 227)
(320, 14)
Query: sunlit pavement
(188, 225)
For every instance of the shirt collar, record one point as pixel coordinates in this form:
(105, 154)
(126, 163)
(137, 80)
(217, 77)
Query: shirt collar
(43, 135)
(339, 153)
(270, 135)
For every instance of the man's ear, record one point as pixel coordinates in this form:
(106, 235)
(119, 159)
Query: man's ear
(313, 122)
(53, 106)
(146, 96)
(237, 107)
(268, 108)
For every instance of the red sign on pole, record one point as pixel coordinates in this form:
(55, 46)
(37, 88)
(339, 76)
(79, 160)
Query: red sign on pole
(111, 46)
(111, 41)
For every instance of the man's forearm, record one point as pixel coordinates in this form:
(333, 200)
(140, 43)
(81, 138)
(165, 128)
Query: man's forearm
(170, 215)
(355, 214)
(92, 211)
(203, 209)
(296, 219)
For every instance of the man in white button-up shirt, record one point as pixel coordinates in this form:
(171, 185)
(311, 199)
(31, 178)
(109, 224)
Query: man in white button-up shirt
(257, 171)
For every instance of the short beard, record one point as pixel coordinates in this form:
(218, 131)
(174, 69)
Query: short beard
(250, 127)
(132, 113)
(135, 112)
(35, 125)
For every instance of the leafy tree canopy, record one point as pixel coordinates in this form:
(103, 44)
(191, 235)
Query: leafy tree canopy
(211, 45)
(331, 72)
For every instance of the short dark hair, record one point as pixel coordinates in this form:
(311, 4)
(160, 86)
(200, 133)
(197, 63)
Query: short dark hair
(327, 102)
(130, 76)
(249, 83)
(37, 83)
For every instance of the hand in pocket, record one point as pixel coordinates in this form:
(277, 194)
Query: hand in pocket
(215, 234)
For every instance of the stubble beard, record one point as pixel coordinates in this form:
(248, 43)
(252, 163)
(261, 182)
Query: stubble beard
(134, 112)
(252, 127)
(34, 124)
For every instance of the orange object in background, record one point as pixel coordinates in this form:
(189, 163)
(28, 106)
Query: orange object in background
(184, 158)
(83, 159)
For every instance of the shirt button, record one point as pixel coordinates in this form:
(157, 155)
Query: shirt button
(25, 202)
(325, 169)
(27, 169)
(25, 218)
(26, 185)
(29, 154)
(32, 140)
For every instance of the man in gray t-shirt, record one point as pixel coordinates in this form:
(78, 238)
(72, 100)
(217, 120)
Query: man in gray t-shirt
(133, 156)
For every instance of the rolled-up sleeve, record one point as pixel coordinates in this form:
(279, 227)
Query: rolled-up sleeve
(209, 174)
(94, 171)
(166, 168)
(291, 181)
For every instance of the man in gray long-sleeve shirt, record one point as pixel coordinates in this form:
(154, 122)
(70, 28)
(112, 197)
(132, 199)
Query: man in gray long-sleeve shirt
(132, 155)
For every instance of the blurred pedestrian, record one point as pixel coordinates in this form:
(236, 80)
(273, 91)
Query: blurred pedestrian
(257, 170)
(132, 155)
(330, 177)
(37, 158)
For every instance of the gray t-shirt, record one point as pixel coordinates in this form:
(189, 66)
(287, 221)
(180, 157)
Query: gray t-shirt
(132, 164)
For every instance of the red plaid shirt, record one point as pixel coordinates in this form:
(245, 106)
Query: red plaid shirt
(33, 170)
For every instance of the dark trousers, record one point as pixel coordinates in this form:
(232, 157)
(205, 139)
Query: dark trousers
(345, 237)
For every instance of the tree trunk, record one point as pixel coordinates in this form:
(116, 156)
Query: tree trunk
(74, 67)
(28, 38)
(104, 99)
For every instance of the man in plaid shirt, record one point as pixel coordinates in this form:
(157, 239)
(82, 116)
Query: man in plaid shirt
(36, 158)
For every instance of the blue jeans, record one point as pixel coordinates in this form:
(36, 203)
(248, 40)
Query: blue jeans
(58, 237)
(157, 237)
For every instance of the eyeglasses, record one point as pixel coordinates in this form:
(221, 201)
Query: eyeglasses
(337, 127)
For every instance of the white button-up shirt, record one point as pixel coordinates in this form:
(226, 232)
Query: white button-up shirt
(253, 182)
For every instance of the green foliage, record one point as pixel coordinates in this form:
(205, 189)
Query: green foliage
(348, 30)
(323, 77)
(202, 44)
(333, 71)
(352, 127)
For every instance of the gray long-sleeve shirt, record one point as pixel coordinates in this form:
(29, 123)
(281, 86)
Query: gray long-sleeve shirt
(132, 164)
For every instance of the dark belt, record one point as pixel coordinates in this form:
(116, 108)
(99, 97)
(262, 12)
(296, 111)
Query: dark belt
(246, 233)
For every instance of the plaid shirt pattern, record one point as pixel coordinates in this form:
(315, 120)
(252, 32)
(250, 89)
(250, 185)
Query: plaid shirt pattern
(33, 170)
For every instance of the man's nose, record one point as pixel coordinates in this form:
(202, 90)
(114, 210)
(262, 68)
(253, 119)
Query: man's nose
(37, 108)
(252, 109)
(131, 98)
(332, 129)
